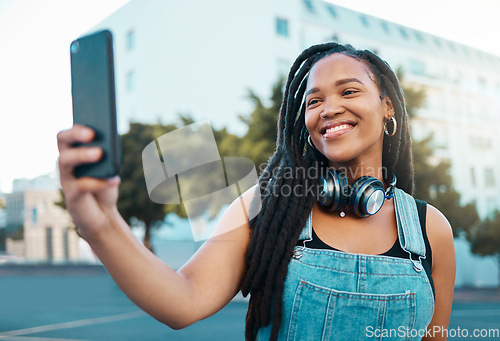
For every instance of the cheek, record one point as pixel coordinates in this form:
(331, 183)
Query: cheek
(309, 121)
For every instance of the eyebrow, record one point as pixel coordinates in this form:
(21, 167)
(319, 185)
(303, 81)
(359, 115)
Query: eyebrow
(337, 83)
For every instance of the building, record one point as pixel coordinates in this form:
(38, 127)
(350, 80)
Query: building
(36, 229)
(202, 57)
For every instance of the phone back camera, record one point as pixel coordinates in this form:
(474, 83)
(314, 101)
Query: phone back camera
(74, 47)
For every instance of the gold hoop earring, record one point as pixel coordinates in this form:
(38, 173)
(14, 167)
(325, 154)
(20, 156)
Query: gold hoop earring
(394, 124)
(310, 142)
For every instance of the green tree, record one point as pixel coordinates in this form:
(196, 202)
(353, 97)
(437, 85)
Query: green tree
(485, 239)
(414, 96)
(433, 182)
(133, 201)
(259, 142)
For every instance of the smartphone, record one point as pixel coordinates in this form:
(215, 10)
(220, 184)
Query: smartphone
(94, 105)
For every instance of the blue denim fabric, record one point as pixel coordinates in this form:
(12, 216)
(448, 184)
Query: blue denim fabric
(335, 295)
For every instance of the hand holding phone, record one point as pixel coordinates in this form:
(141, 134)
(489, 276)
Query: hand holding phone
(93, 92)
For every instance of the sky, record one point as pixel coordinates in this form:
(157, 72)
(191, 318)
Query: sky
(35, 81)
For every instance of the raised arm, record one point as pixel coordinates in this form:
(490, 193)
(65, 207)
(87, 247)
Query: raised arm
(205, 284)
(443, 271)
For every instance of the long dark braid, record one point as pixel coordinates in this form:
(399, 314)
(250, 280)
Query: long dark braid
(288, 193)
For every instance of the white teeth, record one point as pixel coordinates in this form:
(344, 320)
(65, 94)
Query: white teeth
(337, 128)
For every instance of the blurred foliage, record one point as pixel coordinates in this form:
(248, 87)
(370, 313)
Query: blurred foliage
(133, 202)
(433, 181)
(434, 184)
(485, 238)
(61, 202)
(414, 97)
(259, 142)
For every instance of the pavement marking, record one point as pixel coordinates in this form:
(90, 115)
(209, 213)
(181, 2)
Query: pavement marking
(34, 338)
(73, 324)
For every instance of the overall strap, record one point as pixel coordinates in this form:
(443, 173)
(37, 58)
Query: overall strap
(306, 233)
(409, 231)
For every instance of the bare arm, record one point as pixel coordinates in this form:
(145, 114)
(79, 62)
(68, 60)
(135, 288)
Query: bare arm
(199, 289)
(443, 270)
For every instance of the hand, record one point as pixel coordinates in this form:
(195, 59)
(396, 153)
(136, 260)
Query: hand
(90, 201)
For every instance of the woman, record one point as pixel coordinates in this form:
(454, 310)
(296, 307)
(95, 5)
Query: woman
(352, 271)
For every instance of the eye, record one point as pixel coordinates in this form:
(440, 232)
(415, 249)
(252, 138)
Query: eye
(348, 92)
(312, 102)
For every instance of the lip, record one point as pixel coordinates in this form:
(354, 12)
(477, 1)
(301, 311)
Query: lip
(342, 126)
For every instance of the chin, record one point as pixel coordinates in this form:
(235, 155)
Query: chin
(339, 158)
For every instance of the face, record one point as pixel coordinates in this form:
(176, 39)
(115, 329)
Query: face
(344, 112)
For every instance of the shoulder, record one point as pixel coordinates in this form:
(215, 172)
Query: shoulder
(246, 202)
(239, 212)
(440, 235)
(438, 226)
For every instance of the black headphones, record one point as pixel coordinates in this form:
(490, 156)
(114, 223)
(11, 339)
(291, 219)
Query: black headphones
(365, 197)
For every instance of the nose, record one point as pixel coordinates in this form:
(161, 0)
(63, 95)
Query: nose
(331, 109)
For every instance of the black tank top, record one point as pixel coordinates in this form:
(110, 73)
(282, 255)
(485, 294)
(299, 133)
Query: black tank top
(396, 250)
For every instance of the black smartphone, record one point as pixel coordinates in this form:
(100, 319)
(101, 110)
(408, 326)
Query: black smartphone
(94, 105)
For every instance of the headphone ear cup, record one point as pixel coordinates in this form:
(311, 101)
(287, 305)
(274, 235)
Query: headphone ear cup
(332, 191)
(367, 196)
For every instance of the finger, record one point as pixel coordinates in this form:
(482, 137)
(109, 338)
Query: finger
(77, 190)
(78, 133)
(88, 184)
(69, 158)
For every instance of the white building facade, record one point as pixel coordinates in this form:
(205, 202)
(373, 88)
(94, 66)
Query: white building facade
(37, 230)
(201, 57)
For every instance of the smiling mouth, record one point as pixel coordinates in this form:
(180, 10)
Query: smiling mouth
(332, 130)
(338, 128)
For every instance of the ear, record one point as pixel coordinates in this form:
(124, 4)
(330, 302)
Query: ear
(389, 108)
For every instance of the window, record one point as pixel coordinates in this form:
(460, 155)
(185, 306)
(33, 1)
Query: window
(489, 177)
(417, 67)
(131, 80)
(49, 243)
(34, 216)
(332, 10)
(481, 143)
(309, 5)
(130, 40)
(403, 32)
(385, 26)
(282, 27)
(419, 37)
(66, 244)
(364, 20)
(481, 83)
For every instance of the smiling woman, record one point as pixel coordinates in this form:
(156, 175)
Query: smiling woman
(368, 258)
(313, 274)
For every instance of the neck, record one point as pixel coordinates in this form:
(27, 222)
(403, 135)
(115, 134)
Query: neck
(353, 172)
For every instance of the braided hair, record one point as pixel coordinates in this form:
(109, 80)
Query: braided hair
(283, 214)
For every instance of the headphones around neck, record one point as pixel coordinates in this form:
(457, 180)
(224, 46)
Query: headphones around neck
(365, 197)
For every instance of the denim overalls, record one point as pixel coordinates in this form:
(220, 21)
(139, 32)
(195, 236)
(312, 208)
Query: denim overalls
(335, 295)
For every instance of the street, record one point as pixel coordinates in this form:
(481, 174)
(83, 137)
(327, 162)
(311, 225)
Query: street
(86, 304)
